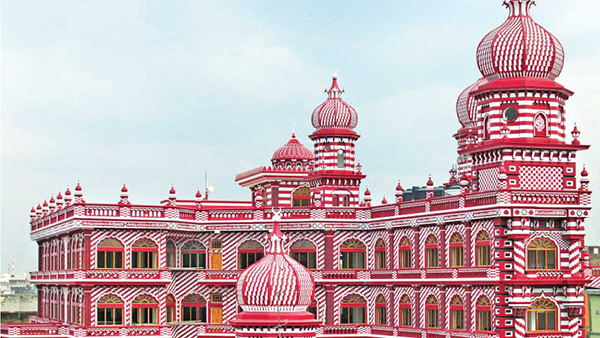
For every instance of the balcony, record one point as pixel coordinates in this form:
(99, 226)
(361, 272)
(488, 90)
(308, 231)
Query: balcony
(102, 276)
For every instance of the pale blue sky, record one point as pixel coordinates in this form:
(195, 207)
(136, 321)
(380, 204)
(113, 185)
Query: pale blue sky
(154, 92)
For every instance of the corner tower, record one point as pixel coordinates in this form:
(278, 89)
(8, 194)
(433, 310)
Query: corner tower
(336, 176)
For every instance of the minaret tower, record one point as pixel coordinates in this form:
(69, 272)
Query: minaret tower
(513, 145)
(274, 294)
(336, 173)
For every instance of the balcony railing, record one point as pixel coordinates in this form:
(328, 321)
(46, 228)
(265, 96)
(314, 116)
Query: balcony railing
(115, 275)
(224, 213)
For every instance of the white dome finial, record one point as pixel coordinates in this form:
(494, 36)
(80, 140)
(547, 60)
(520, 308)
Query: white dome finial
(334, 75)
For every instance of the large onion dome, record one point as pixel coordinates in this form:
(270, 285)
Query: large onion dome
(276, 283)
(520, 47)
(334, 113)
(293, 150)
(466, 107)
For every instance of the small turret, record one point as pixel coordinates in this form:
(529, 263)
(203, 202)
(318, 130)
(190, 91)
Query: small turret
(384, 200)
(368, 197)
(68, 197)
(59, 200)
(79, 194)
(52, 204)
(45, 208)
(32, 214)
(399, 193)
(430, 188)
(124, 195)
(575, 133)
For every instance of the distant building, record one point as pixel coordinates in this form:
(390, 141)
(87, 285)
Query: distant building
(18, 298)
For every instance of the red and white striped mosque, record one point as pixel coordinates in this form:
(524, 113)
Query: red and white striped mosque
(497, 251)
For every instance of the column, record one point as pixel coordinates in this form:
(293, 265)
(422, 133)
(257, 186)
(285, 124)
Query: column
(468, 309)
(417, 308)
(443, 253)
(417, 249)
(87, 306)
(391, 253)
(392, 308)
(329, 258)
(442, 312)
(87, 254)
(468, 246)
(329, 304)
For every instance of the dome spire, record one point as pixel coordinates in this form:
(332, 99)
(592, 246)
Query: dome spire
(519, 7)
(334, 91)
(276, 237)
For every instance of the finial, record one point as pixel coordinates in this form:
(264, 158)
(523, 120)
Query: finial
(584, 172)
(276, 237)
(430, 182)
(518, 7)
(334, 75)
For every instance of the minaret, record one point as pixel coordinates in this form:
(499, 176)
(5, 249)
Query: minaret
(336, 173)
(274, 294)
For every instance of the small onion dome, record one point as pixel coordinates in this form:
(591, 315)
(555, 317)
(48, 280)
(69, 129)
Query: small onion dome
(584, 172)
(198, 194)
(520, 47)
(78, 187)
(39, 208)
(59, 196)
(68, 192)
(172, 193)
(32, 212)
(430, 182)
(52, 200)
(334, 113)
(399, 187)
(124, 189)
(293, 150)
(367, 192)
(466, 107)
(277, 282)
(384, 200)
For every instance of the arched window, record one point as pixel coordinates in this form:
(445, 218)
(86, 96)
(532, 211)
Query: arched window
(143, 254)
(341, 158)
(301, 197)
(312, 308)
(193, 308)
(456, 250)
(144, 310)
(542, 316)
(431, 252)
(170, 254)
(405, 253)
(380, 262)
(335, 200)
(482, 249)
(110, 254)
(352, 254)
(346, 200)
(540, 125)
(304, 252)
(457, 313)
(193, 255)
(431, 312)
(486, 128)
(248, 253)
(109, 311)
(541, 255)
(484, 314)
(380, 310)
(353, 310)
(170, 304)
(405, 311)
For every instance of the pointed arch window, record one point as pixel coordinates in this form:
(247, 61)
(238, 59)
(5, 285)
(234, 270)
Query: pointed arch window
(353, 310)
(109, 311)
(483, 249)
(193, 308)
(432, 252)
(249, 253)
(144, 254)
(540, 125)
(341, 156)
(542, 316)
(144, 310)
(432, 312)
(457, 313)
(170, 304)
(110, 254)
(193, 255)
(405, 311)
(380, 262)
(405, 253)
(305, 252)
(456, 250)
(541, 255)
(170, 254)
(483, 310)
(380, 310)
(352, 254)
(301, 197)
(486, 128)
